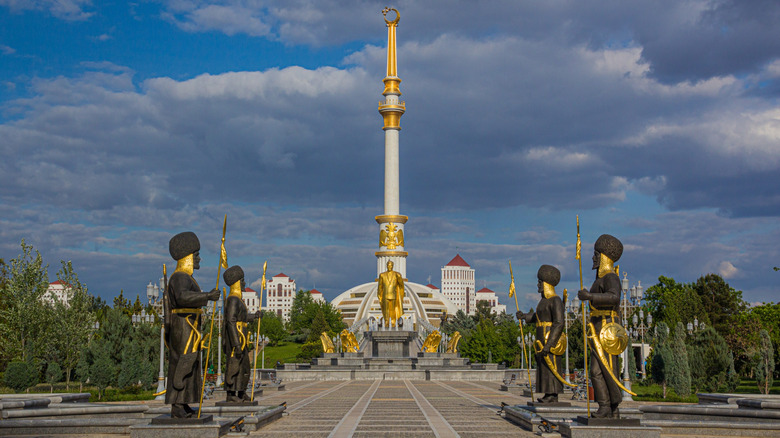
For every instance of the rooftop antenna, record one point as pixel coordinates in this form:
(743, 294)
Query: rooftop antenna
(429, 279)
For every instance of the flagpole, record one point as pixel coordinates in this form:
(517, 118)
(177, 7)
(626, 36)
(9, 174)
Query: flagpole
(513, 292)
(584, 326)
(222, 262)
(257, 336)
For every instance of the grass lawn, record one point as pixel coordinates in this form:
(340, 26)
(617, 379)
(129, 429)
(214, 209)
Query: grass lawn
(285, 352)
(654, 392)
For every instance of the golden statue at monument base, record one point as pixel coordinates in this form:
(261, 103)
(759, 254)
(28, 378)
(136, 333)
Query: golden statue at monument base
(349, 343)
(391, 296)
(431, 344)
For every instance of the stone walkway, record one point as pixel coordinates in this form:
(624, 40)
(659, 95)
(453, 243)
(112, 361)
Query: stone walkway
(392, 408)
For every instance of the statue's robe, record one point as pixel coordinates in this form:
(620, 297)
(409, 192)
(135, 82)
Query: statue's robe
(235, 344)
(186, 302)
(606, 297)
(549, 321)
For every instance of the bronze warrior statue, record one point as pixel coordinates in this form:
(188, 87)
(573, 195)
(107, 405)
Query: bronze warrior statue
(236, 343)
(551, 341)
(183, 304)
(604, 330)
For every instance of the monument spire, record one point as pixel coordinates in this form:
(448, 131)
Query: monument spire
(391, 223)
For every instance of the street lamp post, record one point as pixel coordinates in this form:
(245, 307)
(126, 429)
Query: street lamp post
(626, 377)
(219, 342)
(154, 293)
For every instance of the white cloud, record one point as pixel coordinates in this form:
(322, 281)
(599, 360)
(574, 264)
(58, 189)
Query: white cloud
(71, 10)
(727, 270)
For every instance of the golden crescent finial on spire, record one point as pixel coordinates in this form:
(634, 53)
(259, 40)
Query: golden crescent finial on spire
(397, 16)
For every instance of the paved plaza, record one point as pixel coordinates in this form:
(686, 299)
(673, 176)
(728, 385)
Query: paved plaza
(393, 408)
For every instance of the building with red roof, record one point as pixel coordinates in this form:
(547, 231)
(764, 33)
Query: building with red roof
(458, 284)
(488, 295)
(281, 292)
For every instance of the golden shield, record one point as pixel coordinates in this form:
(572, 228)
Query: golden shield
(613, 338)
(560, 346)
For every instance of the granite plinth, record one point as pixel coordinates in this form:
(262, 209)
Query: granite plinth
(611, 422)
(167, 419)
(549, 404)
(731, 413)
(68, 426)
(76, 410)
(241, 403)
(213, 429)
(512, 388)
(577, 430)
(390, 343)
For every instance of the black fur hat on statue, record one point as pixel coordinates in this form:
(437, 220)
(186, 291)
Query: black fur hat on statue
(610, 246)
(183, 244)
(549, 274)
(233, 274)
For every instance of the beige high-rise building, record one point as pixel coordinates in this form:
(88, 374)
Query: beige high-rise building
(458, 284)
(280, 295)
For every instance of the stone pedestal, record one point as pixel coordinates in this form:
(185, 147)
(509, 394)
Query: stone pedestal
(391, 343)
(166, 427)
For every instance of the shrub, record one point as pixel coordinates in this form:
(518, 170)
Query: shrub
(20, 375)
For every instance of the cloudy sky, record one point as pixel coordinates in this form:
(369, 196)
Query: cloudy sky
(122, 124)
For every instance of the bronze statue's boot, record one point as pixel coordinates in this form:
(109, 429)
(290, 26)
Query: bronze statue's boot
(548, 398)
(178, 411)
(231, 397)
(244, 396)
(605, 411)
(190, 412)
(615, 410)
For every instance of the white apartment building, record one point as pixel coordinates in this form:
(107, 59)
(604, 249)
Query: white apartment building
(281, 292)
(59, 291)
(458, 284)
(317, 295)
(252, 301)
(488, 295)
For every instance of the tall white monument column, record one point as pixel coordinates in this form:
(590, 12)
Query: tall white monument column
(391, 223)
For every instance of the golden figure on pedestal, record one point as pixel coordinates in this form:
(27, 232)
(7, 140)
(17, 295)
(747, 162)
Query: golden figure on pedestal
(452, 346)
(349, 343)
(391, 295)
(431, 344)
(327, 344)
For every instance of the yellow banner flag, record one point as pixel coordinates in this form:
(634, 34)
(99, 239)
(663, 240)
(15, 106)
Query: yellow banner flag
(223, 256)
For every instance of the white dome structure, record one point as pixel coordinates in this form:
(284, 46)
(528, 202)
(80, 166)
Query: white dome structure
(421, 303)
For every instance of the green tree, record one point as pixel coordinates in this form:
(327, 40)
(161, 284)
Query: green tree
(73, 323)
(137, 306)
(304, 310)
(20, 375)
(765, 364)
(140, 356)
(122, 303)
(576, 345)
(678, 370)
(301, 313)
(661, 357)
(103, 371)
(769, 316)
(272, 328)
(25, 319)
(710, 360)
(672, 302)
(481, 343)
(743, 340)
(484, 312)
(461, 323)
(53, 374)
(722, 303)
(313, 346)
